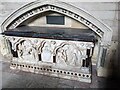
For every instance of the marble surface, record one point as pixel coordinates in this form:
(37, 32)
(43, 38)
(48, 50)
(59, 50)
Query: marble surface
(53, 33)
(68, 56)
(34, 45)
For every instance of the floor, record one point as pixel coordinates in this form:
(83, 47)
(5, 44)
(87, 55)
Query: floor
(20, 79)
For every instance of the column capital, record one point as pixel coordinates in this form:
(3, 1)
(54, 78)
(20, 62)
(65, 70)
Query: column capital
(105, 45)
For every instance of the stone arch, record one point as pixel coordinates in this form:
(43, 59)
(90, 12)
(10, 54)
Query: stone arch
(39, 6)
(29, 10)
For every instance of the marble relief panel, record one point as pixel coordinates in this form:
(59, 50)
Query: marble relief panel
(60, 52)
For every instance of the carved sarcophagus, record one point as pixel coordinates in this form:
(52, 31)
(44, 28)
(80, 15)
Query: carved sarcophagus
(59, 52)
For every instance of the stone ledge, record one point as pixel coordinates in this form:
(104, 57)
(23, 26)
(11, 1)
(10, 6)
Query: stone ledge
(53, 72)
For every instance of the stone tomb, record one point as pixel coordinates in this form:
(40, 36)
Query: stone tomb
(60, 52)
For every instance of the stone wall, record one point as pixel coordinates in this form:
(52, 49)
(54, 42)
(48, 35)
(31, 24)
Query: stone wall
(107, 12)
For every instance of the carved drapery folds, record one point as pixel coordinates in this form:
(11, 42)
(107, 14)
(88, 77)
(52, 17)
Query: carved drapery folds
(69, 54)
(59, 52)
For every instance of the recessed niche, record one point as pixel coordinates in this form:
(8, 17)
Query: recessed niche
(87, 75)
(83, 75)
(75, 73)
(71, 73)
(68, 73)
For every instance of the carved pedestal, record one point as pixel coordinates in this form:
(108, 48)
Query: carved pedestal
(66, 59)
(53, 54)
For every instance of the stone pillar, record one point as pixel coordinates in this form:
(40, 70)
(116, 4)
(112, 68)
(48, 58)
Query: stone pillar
(102, 60)
(5, 47)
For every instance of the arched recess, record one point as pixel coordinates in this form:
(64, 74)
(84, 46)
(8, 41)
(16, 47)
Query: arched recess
(29, 10)
(39, 6)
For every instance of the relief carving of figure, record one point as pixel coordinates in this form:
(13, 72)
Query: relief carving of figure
(69, 55)
(61, 57)
(47, 52)
(26, 51)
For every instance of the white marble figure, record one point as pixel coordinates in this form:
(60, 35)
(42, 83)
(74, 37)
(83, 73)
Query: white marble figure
(69, 55)
(47, 53)
(19, 50)
(27, 52)
(13, 42)
(61, 57)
